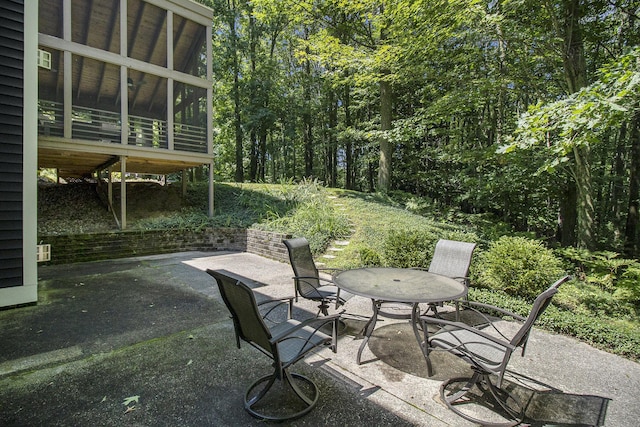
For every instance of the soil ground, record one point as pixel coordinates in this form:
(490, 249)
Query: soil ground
(77, 208)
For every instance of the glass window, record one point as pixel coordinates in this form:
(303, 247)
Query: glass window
(96, 100)
(147, 109)
(147, 33)
(190, 118)
(50, 18)
(96, 24)
(190, 49)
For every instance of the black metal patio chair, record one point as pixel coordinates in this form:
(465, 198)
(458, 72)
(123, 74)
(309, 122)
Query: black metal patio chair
(488, 350)
(285, 342)
(307, 280)
(451, 258)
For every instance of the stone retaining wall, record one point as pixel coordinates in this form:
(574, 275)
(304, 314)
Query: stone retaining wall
(67, 249)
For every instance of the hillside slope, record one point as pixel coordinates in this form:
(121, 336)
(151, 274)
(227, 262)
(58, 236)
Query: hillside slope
(76, 208)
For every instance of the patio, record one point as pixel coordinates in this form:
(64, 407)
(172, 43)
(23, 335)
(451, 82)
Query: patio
(147, 341)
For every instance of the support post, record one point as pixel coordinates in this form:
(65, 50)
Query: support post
(211, 193)
(123, 192)
(184, 183)
(110, 187)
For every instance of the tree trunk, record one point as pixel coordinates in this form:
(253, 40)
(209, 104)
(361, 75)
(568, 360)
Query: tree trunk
(308, 124)
(237, 117)
(262, 153)
(253, 155)
(253, 100)
(567, 215)
(349, 179)
(585, 208)
(386, 105)
(575, 71)
(386, 152)
(575, 65)
(332, 156)
(633, 214)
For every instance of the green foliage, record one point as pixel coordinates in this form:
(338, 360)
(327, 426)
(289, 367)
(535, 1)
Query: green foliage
(408, 248)
(518, 266)
(369, 257)
(413, 247)
(599, 331)
(314, 217)
(235, 206)
(611, 285)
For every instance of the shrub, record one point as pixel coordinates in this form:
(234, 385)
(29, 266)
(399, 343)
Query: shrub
(518, 266)
(610, 284)
(314, 217)
(408, 248)
(369, 257)
(616, 337)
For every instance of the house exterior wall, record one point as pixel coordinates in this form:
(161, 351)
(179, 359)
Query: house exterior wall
(18, 152)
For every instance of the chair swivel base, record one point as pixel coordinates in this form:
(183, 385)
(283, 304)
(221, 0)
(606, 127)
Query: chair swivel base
(453, 393)
(306, 400)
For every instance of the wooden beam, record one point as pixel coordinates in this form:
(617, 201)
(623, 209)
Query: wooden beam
(109, 39)
(108, 164)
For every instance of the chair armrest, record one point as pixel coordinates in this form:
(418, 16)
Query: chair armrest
(321, 321)
(313, 293)
(277, 303)
(313, 278)
(494, 308)
(459, 325)
(465, 279)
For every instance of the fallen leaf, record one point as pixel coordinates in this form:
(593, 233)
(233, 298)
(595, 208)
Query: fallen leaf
(189, 362)
(130, 409)
(130, 399)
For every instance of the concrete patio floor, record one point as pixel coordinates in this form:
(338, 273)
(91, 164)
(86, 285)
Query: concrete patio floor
(147, 342)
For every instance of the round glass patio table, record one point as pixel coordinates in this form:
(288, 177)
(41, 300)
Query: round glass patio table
(407, 285)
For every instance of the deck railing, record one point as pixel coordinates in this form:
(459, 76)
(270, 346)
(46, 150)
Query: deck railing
(105, 126)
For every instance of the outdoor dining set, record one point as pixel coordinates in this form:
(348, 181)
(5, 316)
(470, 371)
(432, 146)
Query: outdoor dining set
(415, 294)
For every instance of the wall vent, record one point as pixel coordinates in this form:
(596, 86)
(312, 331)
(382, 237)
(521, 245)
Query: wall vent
(44, 253)
(44, 59)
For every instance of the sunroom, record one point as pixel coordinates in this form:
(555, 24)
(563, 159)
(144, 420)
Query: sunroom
(124, 86)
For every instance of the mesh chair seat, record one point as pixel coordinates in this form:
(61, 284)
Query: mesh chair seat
(467, 344)
(326, 292)
(299, 343)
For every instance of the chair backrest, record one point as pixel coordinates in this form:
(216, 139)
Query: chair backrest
(303, 265)
(452, 258)
(539, 306)
(242, 305)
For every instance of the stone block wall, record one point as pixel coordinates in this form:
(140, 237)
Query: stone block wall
(67, 249)
(267, 244)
